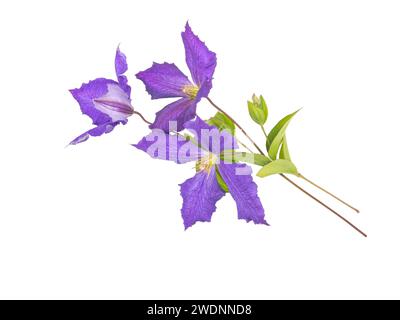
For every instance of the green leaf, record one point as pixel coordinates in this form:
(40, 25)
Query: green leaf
(221, 181)
(276, 167)
(284, 151)
(222, 122)
(276, 135)
(258, 110)
(252, 158)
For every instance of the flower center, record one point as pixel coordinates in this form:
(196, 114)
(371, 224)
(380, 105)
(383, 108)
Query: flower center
(206, 162)
(191, 91)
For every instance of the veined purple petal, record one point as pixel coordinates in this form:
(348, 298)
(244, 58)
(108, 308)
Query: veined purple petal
(121, 66)
(204, 89)
(123, 83)
(97, 131)
(160, 145)
(200, 60)
(197, 125)
(179, 112)
(200, 194)
(115, 103)
(103, 100)
(244, 191)
(87, 93)
(210, 137)
(164, 81)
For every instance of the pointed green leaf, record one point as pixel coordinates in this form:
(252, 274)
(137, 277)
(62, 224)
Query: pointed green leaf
(276, 167)
(222, 122)
(284, 151)
(276, 135)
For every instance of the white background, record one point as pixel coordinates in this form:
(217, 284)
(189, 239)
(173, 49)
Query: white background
(102, 220)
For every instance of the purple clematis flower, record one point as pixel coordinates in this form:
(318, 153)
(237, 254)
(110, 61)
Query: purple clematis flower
(106, 102)
(201, 192)
(167, 81)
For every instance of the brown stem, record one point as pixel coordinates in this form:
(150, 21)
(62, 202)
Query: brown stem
(237, 125)
(326, 191)
(323, 204)
(141, 116)
(282, 175)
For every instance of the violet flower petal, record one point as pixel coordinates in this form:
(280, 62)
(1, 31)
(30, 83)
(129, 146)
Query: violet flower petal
(169, 147)
(210, 137)
(115, 103)
(121, 66)
(204, 90)
(85, 96)
(200, 60)
(180, 111)
(244, 191)
(105, 101)
(200, 194)
(164, 81)
(97, 131)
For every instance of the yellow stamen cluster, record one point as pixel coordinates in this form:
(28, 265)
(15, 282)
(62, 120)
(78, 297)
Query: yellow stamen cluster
(191, 91)
(206, 162)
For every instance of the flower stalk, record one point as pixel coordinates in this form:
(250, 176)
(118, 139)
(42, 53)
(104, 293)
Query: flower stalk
(327, 192)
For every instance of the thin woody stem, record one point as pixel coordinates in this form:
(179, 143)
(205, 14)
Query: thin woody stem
(246, 147)
(326, 191)
(282, 175)
(330, 209)
(141, 116)
(237, 125)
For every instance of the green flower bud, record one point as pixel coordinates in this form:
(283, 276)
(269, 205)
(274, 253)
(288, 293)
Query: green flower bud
(258, 110)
